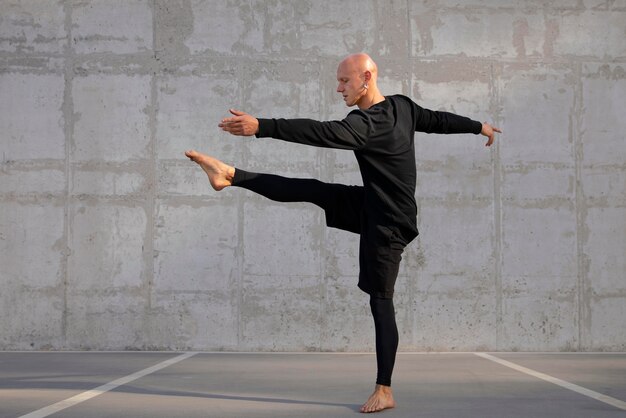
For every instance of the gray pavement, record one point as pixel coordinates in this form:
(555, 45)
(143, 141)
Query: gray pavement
(307, 384)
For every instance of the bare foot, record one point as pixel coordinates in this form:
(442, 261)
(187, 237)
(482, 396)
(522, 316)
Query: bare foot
(382, 398)
(220, 174)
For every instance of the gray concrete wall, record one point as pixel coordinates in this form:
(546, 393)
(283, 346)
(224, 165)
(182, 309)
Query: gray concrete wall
(111, 239)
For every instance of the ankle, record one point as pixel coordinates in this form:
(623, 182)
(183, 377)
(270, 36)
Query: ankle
(383, 388)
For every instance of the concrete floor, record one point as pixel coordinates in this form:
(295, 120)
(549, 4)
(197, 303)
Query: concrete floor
(307, 385)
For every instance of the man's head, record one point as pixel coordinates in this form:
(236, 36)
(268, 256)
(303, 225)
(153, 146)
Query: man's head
(356, 78)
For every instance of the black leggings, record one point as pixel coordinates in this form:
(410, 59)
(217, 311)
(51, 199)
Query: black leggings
(386, 337)
(283, 189)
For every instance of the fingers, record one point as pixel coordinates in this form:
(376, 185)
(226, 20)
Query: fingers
(233, 124)
(489, 131)
(231, 127)
(241, 124)
(191, 154)
(228, 121)
(234, 127)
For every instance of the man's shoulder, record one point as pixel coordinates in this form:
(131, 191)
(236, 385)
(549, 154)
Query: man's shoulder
(357, 114)
(375, 112)
(399, 98)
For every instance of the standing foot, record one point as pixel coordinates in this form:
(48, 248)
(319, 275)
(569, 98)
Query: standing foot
(381, 399)
(220, 174)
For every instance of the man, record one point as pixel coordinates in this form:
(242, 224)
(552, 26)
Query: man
(383, 211)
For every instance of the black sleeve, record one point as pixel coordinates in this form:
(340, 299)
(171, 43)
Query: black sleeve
(431, 121)
(350, 133)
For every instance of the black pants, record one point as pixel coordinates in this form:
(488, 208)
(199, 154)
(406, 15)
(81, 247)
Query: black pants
(379, 251)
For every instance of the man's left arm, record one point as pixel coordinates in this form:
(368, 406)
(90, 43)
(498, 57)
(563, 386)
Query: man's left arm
(348, 134)
(240, 124)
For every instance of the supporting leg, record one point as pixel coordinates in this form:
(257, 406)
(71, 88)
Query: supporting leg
(386, 348)
(386, 338)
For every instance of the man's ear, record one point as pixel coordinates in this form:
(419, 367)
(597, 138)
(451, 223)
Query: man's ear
(367, 76)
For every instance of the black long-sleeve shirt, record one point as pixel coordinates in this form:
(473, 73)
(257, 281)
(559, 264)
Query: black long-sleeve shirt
(382, 140)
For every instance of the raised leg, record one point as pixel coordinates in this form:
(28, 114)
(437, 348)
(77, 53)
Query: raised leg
(220, 174)
(285, 189)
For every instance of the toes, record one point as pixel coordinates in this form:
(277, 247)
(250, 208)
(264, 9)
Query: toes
(369, 407)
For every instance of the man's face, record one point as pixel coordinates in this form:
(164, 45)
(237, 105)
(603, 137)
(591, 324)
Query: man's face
(349, 84)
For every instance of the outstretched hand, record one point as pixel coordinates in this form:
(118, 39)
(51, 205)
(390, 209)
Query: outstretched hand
(489, 131)
(240, 124)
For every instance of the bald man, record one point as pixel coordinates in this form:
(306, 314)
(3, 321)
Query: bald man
(383, 211)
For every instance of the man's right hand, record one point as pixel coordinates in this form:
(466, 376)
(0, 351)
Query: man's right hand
(490, 132)
(240, 124)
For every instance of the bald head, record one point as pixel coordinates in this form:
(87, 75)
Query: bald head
(360, 63)
(356, 77)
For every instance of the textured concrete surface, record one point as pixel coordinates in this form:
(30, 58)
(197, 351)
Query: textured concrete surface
(269, 385)
(111, 239)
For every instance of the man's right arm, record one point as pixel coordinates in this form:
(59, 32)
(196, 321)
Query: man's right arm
(431, 121)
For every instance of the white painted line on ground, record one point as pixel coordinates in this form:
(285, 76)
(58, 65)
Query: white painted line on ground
(567, 385)
(82, 397)
(139, 352)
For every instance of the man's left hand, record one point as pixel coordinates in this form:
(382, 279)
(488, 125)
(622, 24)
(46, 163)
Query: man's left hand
(241, 124)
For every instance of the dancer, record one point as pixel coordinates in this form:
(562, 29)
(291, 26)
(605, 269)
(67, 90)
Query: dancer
(383, 211)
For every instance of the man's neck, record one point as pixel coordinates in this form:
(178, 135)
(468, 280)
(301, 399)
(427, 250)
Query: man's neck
(374, 97)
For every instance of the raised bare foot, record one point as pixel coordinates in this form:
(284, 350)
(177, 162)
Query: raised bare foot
(381, 399)
(220, 174)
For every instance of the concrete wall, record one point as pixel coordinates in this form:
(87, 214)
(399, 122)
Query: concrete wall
(111, 239)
